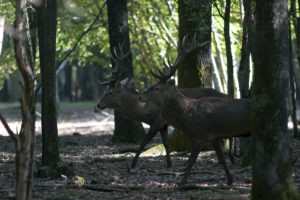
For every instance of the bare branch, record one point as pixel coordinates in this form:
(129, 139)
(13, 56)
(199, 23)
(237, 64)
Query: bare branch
(216, 6)
(8, 129)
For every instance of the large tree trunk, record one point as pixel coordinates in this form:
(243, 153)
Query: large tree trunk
(271, 176)
(47, 14)
(125, 130)
(194, 18)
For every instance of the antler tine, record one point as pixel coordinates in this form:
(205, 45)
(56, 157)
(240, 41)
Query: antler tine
(156, 76)
(183, 51)
(108, 82)
(167, 66)
(118, 59)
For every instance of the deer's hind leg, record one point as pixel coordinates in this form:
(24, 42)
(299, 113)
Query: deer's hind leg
(165, 139)
(220, 154)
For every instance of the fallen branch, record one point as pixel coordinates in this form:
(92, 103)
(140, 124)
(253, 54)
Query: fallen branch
(192, 186)
(115, 188)
(223, 197)
(181, 173)
(128, 150)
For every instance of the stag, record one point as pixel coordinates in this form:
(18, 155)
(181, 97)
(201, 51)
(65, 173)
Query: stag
(126, 100)
(205, 121)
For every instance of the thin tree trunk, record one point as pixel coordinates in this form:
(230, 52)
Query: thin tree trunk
(24, 142)
(220, 62)
(230, 86)
(47, 14)
(292, 86)
(271, 175)
(244, 72)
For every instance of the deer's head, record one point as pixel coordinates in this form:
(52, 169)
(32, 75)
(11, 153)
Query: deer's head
(113, 95)
(114, 87)
(157, 92)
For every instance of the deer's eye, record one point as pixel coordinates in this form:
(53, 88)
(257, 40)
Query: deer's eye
(109, 93)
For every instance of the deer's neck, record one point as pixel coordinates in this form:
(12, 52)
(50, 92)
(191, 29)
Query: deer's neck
(132, 107)
(174, 107)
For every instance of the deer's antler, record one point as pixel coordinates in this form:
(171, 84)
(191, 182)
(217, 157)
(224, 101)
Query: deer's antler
(183, 51)
(118, 59)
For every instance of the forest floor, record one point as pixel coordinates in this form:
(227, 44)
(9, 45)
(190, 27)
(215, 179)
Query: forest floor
(101, 168)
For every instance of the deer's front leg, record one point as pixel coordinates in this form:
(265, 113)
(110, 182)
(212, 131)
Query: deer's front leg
(220, 154)
(165, 139)
(192, 159)
(151, 133)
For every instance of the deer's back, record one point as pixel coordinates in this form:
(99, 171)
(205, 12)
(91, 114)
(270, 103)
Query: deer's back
(212, 117)
(196, 93)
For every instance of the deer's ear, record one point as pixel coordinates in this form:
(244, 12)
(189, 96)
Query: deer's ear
(171, 82)
(123, 82)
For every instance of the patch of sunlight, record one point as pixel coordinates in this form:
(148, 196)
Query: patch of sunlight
(158, 150)
(14, 126)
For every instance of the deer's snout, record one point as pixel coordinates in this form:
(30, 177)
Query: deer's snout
(99, 106)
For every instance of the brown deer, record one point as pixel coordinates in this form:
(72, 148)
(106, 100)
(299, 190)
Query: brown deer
(205, 120)
(126, 100)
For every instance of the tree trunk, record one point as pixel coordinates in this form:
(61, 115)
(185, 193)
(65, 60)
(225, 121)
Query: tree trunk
(194, 18)
(47, 14)
(230, 85)
(271, 176)
(125, 130)
(25, 140)
(244, 72)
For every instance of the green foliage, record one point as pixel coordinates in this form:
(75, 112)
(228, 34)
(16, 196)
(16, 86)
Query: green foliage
(153, 33)
(7, 58)
(235, 26)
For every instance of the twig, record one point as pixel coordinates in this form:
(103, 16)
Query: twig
(216, 6)
(243, 170)
(8, 129)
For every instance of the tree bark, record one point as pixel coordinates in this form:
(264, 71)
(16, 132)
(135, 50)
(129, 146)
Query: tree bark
(194, 18)
(125, 130)
(47, 21)
(244, 72)
(271, 176)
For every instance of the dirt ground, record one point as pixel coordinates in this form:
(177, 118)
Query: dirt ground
(101, 168)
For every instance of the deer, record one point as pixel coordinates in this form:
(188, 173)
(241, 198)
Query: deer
(205, 120)
(126, 100)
